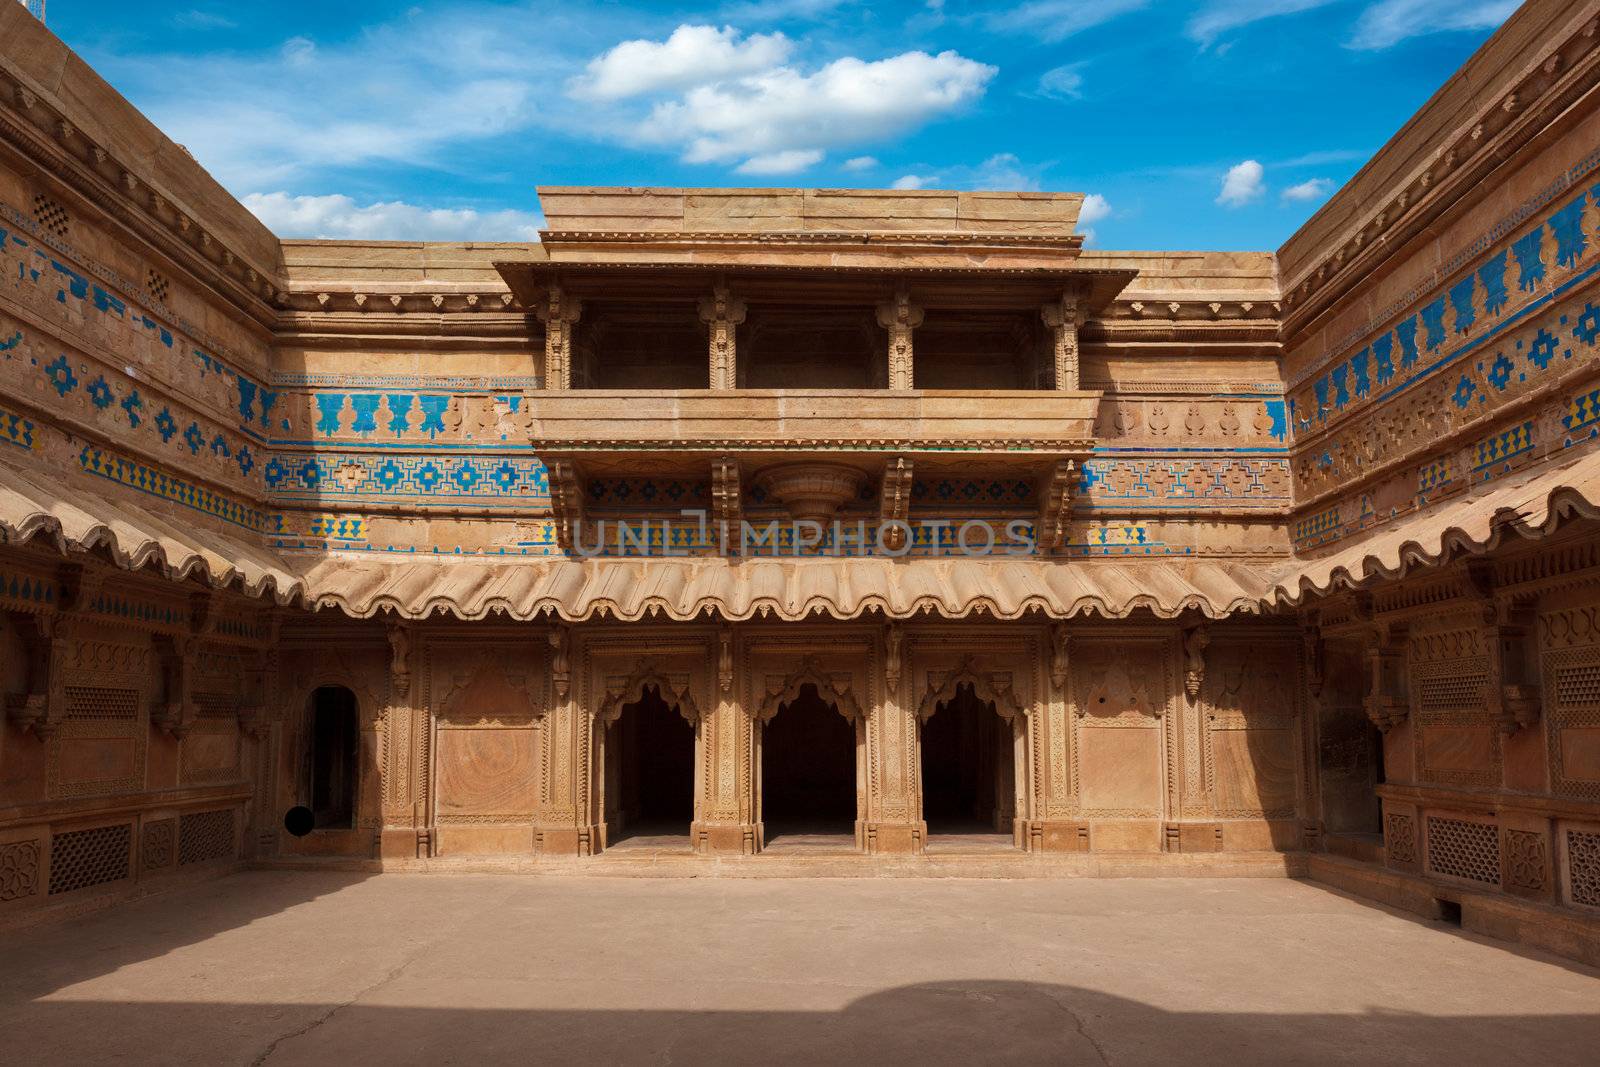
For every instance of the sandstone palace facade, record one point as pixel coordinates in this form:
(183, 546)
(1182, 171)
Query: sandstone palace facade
(893, 528)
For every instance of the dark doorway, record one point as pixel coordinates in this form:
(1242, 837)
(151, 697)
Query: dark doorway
(334, 750)
(967, 771)
(808, 769)
(649, 771)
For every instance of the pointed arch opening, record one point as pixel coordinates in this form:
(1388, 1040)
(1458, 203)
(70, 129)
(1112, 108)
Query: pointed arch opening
(649, 788)
(808, 769)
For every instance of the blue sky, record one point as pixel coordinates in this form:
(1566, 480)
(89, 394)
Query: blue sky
(1202, 124)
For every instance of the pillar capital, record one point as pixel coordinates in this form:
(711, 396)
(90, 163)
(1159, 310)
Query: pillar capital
(722, 313)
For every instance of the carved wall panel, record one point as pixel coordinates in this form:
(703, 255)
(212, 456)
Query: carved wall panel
(1253, 753)
(19, 870)
(1570, 640)
(1458, 737)
(488, 700)
(100, 746)
(1121, 694)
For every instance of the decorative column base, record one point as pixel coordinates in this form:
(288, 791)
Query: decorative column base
(894, 839)
(725, 838)
(1053, 835)
(1191, 837)
(566, 840)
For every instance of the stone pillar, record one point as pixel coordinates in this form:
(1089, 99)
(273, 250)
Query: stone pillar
(724, 797)
(722, 315)
(559, 313)
(404, 833)
(893, 811)
(1054, 827)
(1062, 318)
(566, 824)
(900, 317)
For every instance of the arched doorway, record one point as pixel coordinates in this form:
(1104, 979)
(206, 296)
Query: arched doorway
(808, 774)
(968, 772)
(649, 774)
(333, 763)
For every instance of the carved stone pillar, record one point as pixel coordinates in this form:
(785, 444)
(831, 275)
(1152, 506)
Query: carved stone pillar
(722, 315)
(559, 313)
(894, 821)
(900, 317)
(726, 807)
(1062, 319)
(566, 825)
(407, 829)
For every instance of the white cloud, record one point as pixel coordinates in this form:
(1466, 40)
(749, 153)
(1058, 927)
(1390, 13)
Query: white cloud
(1311, 189)
(788, 161)
(1389, 22)
(1055, 20)
(1095, 208)
(1220, 16)
(1242, 184)
(693, 55)
(340, 217)
(848, 101)
(1062, 83)
(911, 181)
(399, 92)
(1002, 172)
(860, 163)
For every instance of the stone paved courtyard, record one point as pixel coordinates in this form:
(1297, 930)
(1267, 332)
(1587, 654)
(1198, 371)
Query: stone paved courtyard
(293, 967)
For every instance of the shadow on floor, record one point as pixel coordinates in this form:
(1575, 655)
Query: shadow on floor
(936, 1022)
(205, 915)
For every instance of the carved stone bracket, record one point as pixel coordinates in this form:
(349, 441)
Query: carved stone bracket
(46, 640)
(400, 660)
(559, 313)
(1058, 655)
(1055, 504)
(894, 502)
(725, 659)
(893, 639)
(566, 500)
(987, 686)
(177, 713)
(727, 502)
(1513, 693)
(1388, 700)
(1195, 640)
(1315, 658)
(560, 661)
(900, 317)
(1062, 318)
(722, 315)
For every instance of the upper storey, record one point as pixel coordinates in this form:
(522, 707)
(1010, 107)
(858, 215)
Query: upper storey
(812, 227)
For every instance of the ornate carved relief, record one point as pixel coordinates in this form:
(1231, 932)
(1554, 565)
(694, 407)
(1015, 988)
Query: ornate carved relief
(19, 870)
(993, 687)
(1387, 702)
(674, 689)
(1400, 839)
(1571, 667)
(1055, 504)
(1253, 763)
(832, 688)
(1525, 855)
(894, 502)
(1120, 696)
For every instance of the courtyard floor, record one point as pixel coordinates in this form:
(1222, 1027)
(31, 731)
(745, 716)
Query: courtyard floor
(287, 967)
